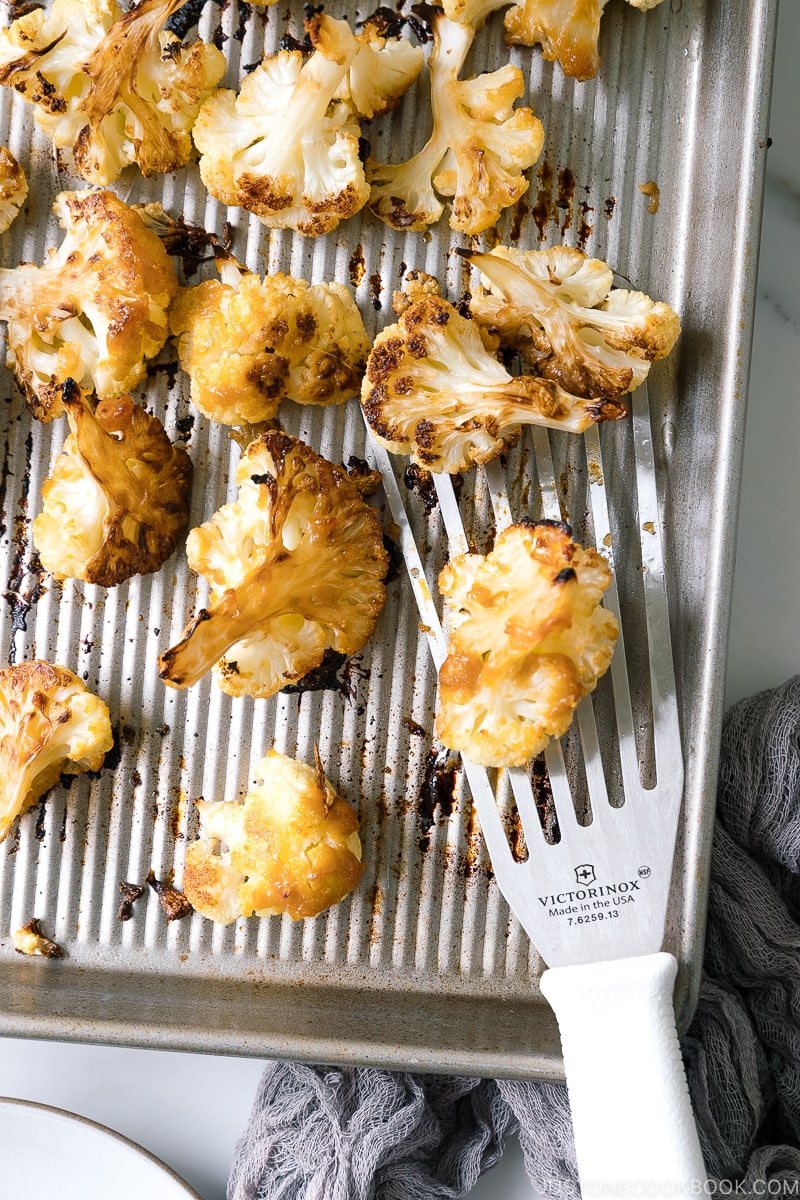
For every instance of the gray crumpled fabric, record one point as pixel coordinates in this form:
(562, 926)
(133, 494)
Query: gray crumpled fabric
(328, 1133)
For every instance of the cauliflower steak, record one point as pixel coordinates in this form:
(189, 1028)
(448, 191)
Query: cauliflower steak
(49, 725)
(247, 343)
(527, 639)
(296, 566)
(117, 501)
(559, 309)
(95, 311)
(477, 152)
(291, 847)
(433, 390)
(112, 86)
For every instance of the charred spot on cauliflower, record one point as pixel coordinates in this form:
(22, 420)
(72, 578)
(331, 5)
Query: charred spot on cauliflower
(49, 725)
(434, 391)
(13, 188)
(112, 86)
(291, 847)
(478, 150)
(559, 309)
(285, 148)
(527, 639)
(117, 501)
(95, 311)
(296, 566)
(248, 343)
(567, 30)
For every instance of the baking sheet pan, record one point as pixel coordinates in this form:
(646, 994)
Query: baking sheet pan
(423, 966)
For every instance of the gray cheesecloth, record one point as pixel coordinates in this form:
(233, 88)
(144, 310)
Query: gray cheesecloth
(329, 1133)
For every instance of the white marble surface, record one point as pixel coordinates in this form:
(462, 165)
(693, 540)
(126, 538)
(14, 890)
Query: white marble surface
(117, 1087)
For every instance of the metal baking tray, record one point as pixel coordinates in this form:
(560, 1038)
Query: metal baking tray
(423, 967)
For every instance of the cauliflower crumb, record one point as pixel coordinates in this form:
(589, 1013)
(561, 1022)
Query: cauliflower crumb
(291, 847)
(13, 188)
(117, 501)
(296, 566)
(112, 86)
(49, 725)
(30, 940)
(96, 310)
(527, 639)
(248, 343)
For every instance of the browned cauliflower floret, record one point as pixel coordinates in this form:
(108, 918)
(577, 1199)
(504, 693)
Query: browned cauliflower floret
(291, 847)
(559, 308)
(527, 639)
(477, 152)
(382, 71)
(286, 146)
(95, 311)
(247, 343)
(112, 86)
(49, 725)
(117, 501)
(296, 566)
(568, 30)
(13, 188)
(433, 390)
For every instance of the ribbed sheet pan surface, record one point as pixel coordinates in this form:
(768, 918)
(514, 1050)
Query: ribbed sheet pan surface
(423, 966)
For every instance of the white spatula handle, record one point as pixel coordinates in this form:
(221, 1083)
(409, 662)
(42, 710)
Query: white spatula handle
(634, 1129)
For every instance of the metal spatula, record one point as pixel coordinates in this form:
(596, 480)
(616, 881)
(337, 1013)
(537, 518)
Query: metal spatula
(594, 903)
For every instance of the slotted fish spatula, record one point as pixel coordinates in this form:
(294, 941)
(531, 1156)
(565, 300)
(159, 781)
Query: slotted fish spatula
(594, 904)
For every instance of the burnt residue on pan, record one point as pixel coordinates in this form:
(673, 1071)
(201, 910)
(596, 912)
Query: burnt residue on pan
(186, 18)
(245, 11)
(542, 210)
(437, 792)
(543, 796)
(356, 267)
(25, 564)
(420, 482)
(566, 198)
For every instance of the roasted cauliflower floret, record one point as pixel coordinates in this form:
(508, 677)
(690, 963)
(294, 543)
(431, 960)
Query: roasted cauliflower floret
(117, 501)
(112, 86)
(382, 71)
(282, 148)
(527, 639)
(291, 847)
(433, 390)
(13, 188)
(247, 343)
(477, 152)
(567, 30)
(559, 309)
(95, 311)
(49, 725)
(296, 566)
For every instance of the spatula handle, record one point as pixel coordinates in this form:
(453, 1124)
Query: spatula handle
(634, 1128)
